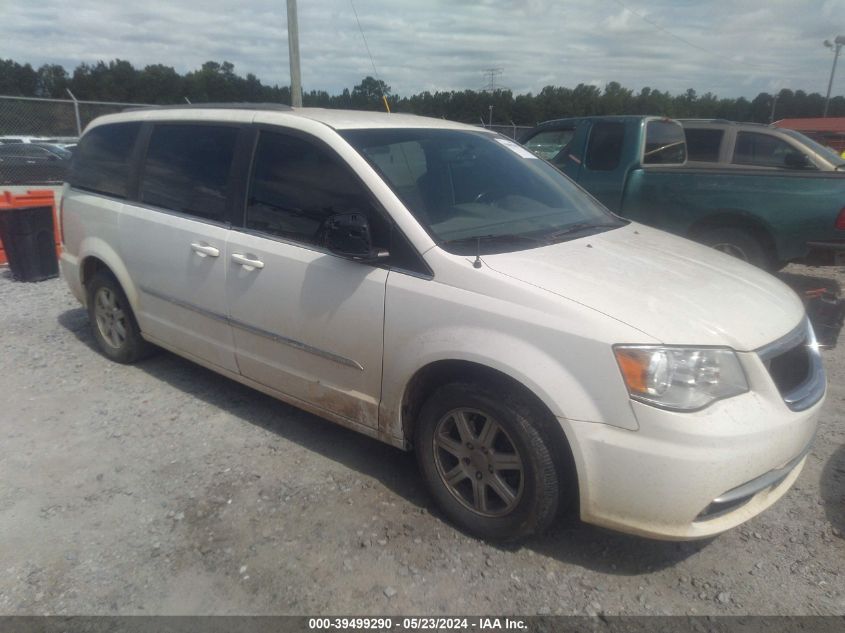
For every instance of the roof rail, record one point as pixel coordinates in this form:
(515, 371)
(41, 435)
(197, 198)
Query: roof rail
(238, 105)
(706, 121)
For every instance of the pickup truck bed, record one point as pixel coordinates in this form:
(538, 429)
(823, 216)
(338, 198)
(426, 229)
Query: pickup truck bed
(783, 211)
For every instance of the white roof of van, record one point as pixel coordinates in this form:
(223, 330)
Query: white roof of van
(337, 119)
(352, 119)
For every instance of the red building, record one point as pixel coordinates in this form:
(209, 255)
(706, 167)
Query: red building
(827, 131)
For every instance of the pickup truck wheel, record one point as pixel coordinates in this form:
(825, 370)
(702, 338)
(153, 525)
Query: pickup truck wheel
(486, 462)
(112, 321)
(737, 243)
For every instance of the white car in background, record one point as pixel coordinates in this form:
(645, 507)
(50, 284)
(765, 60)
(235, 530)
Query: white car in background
(438, 287)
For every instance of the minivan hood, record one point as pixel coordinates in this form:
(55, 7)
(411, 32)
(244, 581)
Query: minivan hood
(672, 289)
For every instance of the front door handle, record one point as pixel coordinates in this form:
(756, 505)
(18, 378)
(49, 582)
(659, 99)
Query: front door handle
(246, 262)
(205, 250)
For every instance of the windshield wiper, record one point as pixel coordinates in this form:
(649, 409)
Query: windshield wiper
(502, 238)
(579, 227)
(498, 237)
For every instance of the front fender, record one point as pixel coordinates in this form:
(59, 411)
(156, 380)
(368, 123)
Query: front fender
(547, 376)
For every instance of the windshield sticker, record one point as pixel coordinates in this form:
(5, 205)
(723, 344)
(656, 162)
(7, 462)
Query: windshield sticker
(516, 149)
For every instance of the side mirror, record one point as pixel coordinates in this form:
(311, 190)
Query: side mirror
(348, 235)
(796, 160)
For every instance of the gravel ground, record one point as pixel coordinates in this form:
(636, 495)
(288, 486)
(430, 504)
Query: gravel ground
(163, 488)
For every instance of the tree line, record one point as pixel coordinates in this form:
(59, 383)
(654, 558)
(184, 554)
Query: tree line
(120, 81)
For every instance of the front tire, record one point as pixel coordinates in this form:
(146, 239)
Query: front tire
(113, 323)
(486, 461)
(738, 243)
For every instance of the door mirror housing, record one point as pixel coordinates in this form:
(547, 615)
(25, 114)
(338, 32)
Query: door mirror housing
(348, 235)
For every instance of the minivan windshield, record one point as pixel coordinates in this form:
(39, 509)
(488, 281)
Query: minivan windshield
(479, 192)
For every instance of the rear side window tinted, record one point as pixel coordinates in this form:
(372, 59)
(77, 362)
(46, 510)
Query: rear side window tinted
(665, 143)
(296, 186)
(761, 150)
(187, 169)
(604, 151)
(703, 145)
(101, 160)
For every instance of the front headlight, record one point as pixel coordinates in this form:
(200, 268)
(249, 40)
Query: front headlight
(684, 378)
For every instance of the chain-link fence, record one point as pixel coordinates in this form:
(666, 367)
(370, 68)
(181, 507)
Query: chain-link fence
(37, 136)
(513, 131)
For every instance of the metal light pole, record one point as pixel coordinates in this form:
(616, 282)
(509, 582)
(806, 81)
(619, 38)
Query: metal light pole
(837, 45)
(76, 111)
(293, 52)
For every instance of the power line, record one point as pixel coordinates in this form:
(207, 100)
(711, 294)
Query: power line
(364, 37)
(681, 39)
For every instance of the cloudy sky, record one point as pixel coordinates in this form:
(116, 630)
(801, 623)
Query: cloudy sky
(729, 47)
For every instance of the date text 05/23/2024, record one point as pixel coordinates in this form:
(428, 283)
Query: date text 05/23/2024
(418, 624)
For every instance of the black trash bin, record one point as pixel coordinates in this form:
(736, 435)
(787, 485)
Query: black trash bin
(28, 239)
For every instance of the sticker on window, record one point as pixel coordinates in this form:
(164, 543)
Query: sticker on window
(516, 149)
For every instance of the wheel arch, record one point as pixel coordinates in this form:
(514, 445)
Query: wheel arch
(97, 255)
(738, 219)
(435, 374)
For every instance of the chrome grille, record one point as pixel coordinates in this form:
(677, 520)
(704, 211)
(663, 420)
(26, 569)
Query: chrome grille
(796, 368)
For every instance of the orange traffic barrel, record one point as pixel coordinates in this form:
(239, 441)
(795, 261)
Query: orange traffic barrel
(29, 234)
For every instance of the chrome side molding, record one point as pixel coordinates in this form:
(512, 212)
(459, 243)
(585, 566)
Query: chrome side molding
(316, 351)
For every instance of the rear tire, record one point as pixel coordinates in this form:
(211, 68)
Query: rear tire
(113, 323)
(738, 243)
(486, 461)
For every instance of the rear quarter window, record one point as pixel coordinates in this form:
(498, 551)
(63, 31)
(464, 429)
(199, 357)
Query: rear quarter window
(101, 161)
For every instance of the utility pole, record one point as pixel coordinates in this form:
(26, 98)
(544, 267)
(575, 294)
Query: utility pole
(774, 104)
(293, 52)
(837, 46)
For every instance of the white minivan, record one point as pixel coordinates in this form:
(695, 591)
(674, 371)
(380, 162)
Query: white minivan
(438, 287)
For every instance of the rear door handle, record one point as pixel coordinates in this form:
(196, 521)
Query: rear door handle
(205, 250)
(246, 262)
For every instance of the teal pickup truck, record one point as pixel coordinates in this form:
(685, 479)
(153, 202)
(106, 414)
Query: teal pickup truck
(636, 166)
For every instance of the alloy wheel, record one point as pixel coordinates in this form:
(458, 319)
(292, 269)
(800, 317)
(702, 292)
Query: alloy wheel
(478, 462)
(111, 319)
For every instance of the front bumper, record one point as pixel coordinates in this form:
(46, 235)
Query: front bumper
(743, 494)
(663, 480)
